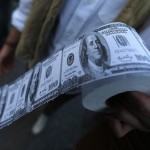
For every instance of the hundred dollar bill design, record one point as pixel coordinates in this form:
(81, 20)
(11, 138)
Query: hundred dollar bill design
(72, 74)
(23, 95)
(122, 55)
(34, 85)
(124, 51)
(107, 51)
(49, 82)
(1, 103)
(11, 101)
(113, 51)
(4, 91)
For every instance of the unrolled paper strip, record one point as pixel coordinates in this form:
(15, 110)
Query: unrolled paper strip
(107, 61)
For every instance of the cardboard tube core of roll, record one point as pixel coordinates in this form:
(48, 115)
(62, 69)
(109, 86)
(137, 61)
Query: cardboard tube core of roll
(95, 94)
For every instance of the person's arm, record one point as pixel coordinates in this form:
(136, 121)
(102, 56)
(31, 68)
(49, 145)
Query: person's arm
(7, 52)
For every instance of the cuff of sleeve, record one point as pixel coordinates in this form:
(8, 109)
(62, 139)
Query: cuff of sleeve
(18, 20)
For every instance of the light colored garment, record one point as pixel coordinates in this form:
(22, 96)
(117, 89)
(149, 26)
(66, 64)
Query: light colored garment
(79, 17)
(76, 18)
(20, 15)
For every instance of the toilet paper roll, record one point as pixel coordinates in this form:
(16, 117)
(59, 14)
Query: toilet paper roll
(107, 61)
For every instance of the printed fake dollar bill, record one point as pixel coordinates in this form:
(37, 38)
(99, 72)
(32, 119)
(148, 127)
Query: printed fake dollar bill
(49, 82)
(23, 95)
(11, 101)
(112, 50)
(3, 97)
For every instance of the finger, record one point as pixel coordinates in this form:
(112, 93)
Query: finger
(127, 117)
(119, 127)
(139, 105)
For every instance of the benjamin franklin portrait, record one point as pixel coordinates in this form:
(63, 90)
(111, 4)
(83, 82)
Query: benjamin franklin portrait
(93, 55)
(34, 85)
